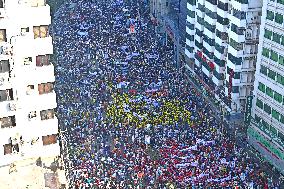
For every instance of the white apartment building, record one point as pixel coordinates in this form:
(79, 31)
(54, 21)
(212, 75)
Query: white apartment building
(29, 126)
(221, 46)
(266, 132)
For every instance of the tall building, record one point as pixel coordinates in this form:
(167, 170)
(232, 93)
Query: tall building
(266, 132)
(29, 126)
(221, 47)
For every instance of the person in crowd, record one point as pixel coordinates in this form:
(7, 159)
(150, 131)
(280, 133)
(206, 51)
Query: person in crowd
(132, 118)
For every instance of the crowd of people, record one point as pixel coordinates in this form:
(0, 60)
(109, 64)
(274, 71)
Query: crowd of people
(132, 119)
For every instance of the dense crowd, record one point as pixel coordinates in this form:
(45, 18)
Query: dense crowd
(132, 119)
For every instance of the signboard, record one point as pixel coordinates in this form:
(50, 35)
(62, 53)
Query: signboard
(230, 84)
(248, 110)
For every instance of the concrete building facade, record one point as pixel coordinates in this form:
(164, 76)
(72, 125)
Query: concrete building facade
(29, 126)
(266, 132)
(221, 47)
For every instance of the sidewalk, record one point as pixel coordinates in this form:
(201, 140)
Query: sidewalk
(27, 174)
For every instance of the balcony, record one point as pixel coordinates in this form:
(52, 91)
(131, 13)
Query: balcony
(240, 22)
(189, 54)
(239, 38)
(190, 19)
(39, 150)
(199, 26)
(43, 45)
(210, 20)
(189, 43)
(209, 33)
(235, 49)
(241, 5)
(206, 72)
(216, 81)
(43, 102)
(211, 5)
(200, 13)
(44, 127)
(189, 31)
(39, 15)
(191, 5)
(209, 47)
(221, 28)
(38, 74)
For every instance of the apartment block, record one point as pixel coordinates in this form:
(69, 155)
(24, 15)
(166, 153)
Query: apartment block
(221, 47)
(29, 126)
(266, 132)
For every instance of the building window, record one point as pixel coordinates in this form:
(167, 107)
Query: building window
(280, 135)
(30, 89)
(42, 60)
(278, 97)
(279, 18)
(267, 109)
(275, 114)
(265, 52)
(261, 87)
(259, 103)
(257, 118)
(263, 70)
(235, 89)
(25, 30)
(282, 119)
(47, 114)
(282, 40)
(1, 3)
(3, 35)
(32, 115)
(269, 15)
(40, 31)
(45, 88)
(4, 66)
(265, 125)
(271, 74)
(10, 148)
(276, 38)
(49, 139)
(269, 92)
(273, 130)
(274, 56)
(267, 34)
(8, 122)
(237, 75)
(28, 60)
(6, 95)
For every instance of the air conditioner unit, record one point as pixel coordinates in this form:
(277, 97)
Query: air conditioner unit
(12, 106)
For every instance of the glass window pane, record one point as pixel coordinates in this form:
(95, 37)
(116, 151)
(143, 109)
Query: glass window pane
(270, 15)
(279, 18)
(274, 56)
